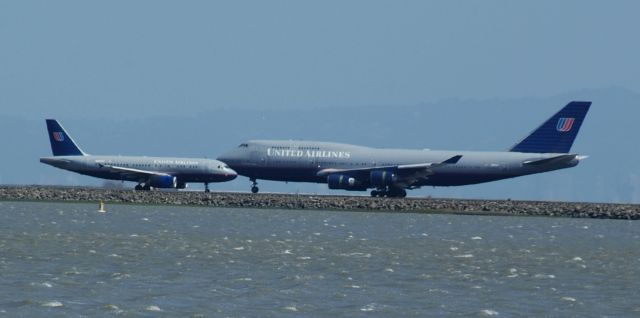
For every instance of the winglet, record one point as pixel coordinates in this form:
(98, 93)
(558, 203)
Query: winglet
(61, 143)
(452, 160)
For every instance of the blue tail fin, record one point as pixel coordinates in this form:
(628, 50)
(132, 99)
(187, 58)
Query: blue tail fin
(557, 134)
(61, 142)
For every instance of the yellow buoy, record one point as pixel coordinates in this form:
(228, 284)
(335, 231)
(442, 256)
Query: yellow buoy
(101, 207)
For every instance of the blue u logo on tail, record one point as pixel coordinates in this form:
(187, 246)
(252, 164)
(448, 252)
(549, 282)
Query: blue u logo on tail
(564, 124)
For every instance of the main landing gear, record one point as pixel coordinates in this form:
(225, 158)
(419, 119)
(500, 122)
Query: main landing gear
(140, 187)
(206, 187)
(389, 193)
(254, 186)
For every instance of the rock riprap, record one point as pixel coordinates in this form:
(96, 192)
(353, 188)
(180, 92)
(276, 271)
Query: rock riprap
(323, 202)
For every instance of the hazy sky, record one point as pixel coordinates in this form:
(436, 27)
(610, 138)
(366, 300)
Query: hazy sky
(167, 78)
(120, 59)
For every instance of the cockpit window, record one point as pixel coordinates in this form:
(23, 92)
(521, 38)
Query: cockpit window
(243, 146)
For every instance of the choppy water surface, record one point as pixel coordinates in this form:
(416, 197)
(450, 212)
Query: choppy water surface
(69, 260)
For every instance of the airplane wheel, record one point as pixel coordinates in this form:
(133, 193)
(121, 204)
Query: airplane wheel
(396, 193)
(146, 188)
(138, 188)
(374, 193)
(207, 190)
(254, 189)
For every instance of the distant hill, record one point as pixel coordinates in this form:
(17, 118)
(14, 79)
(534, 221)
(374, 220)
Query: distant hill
(611, 174)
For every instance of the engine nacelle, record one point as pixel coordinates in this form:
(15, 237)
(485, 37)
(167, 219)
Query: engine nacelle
(344, 182)
(382, 178)
(163, 181)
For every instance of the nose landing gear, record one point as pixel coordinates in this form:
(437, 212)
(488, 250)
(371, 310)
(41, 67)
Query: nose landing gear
(206, 187)
(254, 186)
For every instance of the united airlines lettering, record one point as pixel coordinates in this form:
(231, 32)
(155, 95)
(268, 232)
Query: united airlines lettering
(295, 153)
(175, 162)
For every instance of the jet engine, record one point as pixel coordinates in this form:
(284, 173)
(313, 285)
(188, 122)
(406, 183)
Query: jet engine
(344, 182)
(382, 178)
(163, 181)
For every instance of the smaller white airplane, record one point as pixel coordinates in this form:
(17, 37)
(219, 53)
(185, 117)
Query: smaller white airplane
(148, 172)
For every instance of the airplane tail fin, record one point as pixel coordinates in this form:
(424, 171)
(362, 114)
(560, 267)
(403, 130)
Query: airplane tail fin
(61, 143)
(557, 134)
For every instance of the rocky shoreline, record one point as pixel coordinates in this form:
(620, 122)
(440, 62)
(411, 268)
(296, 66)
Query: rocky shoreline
(323, 202)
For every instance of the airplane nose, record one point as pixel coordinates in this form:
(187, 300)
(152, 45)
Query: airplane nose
(230, 174)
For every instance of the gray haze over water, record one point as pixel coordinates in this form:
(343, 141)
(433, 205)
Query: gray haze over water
(145, 261)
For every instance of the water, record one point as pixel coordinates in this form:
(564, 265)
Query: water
(149, 261)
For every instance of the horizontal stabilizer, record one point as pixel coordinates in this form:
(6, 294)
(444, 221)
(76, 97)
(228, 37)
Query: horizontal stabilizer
(552, 160)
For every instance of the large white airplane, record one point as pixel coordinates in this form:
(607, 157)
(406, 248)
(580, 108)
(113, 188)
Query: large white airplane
(148, 172)
(390, 171)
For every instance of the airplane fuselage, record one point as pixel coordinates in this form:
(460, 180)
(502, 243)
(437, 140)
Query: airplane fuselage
(186, 170)
(302, 161)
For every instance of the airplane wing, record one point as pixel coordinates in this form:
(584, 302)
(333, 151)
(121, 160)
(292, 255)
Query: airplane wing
(410, 168)
(450, 161)
(133, 172)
